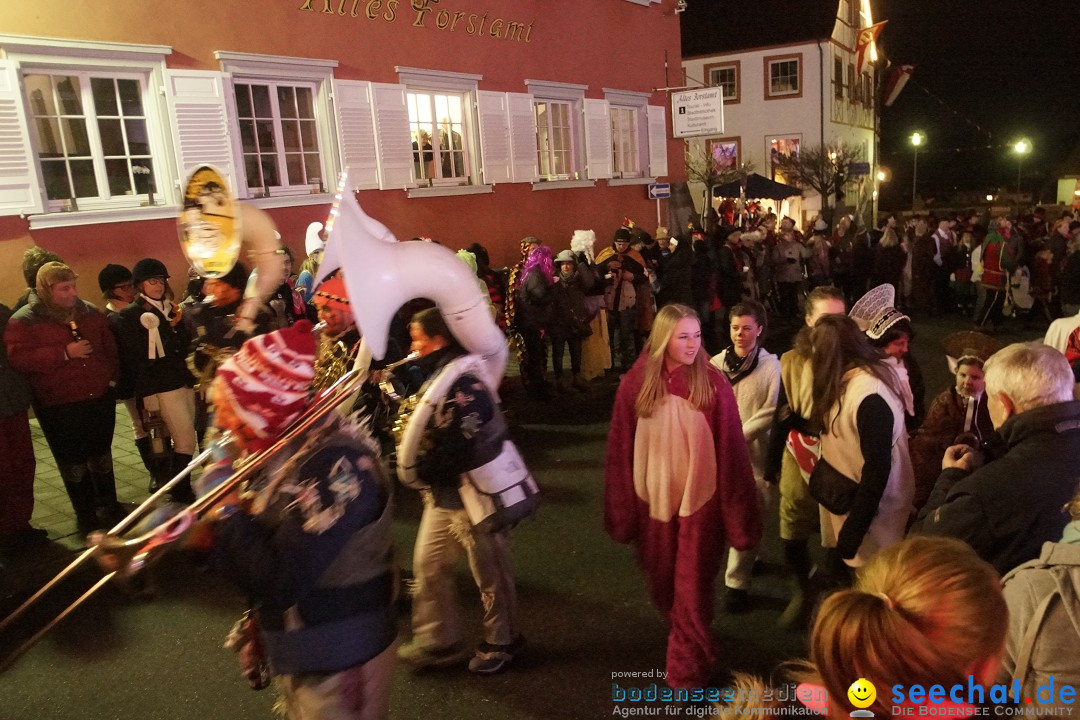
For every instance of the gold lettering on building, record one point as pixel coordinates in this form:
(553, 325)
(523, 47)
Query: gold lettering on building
(429, 16)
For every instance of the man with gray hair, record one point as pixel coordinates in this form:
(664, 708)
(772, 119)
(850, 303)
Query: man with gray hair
(1007, 508)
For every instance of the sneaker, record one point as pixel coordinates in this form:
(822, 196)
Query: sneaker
(490, 659)
(423, 656)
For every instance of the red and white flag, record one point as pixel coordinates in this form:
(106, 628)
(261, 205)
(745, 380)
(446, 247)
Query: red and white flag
(895, 83)
(867, 36)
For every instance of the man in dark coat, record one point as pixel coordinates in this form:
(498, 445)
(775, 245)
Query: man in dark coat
(1007, 508)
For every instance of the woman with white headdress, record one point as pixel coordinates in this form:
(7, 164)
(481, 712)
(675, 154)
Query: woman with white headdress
(889, 330)
(313, 245)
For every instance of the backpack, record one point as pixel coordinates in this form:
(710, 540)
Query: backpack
(1064, 599)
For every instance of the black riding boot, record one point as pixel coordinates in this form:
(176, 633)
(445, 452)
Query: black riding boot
(104, 484)
(80, 490)
(181, 491)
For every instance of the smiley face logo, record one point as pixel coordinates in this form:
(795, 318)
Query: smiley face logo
(862, 693)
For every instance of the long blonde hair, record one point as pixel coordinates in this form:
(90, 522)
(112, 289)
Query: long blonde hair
(654, 387)
(923, 611)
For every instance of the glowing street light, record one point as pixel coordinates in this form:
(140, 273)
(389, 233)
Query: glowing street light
(917, 139)
(1021, 147)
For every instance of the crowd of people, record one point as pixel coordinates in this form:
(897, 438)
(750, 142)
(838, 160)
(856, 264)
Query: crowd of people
(919, 513)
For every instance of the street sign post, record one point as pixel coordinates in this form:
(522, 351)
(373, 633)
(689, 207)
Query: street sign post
(656, 192)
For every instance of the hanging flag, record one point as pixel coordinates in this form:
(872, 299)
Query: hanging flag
(867, 36)
(895, 83)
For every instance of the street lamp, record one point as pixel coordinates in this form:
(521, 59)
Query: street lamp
(917, 139)
(881, 176)
(1021, 147)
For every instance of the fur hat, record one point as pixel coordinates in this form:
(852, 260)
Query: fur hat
(112, 275)
(875, 312)
(266, 382)
(313, 238)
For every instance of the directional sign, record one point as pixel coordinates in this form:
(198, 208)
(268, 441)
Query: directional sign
(659, 190)
(697, 113)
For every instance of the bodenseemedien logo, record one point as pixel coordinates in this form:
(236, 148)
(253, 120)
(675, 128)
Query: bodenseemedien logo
(862, 694)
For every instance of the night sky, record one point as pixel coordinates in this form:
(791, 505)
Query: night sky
(1011, 68)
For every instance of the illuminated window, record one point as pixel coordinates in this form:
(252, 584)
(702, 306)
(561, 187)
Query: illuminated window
(555, 140)
(625, 142)
(783, 77)
(439, 138)
(726, 76)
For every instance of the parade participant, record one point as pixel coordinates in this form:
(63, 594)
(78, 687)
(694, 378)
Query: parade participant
(999, 254)
(312, 545)
(466, 425)
(623, 271)
(866, 484)
(313, 245)
(958, 415)
(65, 348)
(570, 320)
(678, 483)
(215, 334)
(793, 450)
(339, 339)
(534, 310)
(154, 343)
(754, 374)
(890, 331)
(510, 309)
(1008, 507)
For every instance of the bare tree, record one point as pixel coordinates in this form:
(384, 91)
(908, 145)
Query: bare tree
(826, 169)
(702, 167)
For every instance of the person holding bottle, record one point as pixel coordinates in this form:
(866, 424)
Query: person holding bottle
(65, 348)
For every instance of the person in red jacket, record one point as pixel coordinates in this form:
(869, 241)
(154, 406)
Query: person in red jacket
(65, 348)
(678, 484)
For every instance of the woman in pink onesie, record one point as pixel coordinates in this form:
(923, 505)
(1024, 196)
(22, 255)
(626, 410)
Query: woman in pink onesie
(679, 484)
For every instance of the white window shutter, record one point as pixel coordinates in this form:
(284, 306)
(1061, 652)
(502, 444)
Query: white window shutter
(199, 105)
(494, 136)
(19, 183)
(356, 133)
(657, 141)
(393, 147)
(598, 157)
(523, 138)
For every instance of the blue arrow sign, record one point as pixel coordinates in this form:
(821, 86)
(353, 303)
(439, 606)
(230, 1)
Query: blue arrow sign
(658, 191)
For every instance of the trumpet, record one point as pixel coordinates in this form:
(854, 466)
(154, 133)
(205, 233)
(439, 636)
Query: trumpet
(122, 557)
(385, 385)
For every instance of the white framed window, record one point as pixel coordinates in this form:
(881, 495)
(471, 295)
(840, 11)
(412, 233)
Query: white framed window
(725, 75)
(560, 132)
(783, 76)
(279, 137)
(91, 138)
(629, 133)
(442, 131)
(438, 133)
(625, 142)
(555, 149)
(86, 132)
(284, 135)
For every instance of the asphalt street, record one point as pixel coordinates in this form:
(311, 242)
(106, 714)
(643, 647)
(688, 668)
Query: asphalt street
(157, 655)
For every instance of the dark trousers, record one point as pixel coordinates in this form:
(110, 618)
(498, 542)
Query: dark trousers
(624, 324)
(557, 346)
(535, 357)
(16, 473)
(991, 308)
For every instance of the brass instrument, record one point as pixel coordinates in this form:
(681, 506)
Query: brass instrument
(122, 557)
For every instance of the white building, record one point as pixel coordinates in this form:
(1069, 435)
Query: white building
(789, 76)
